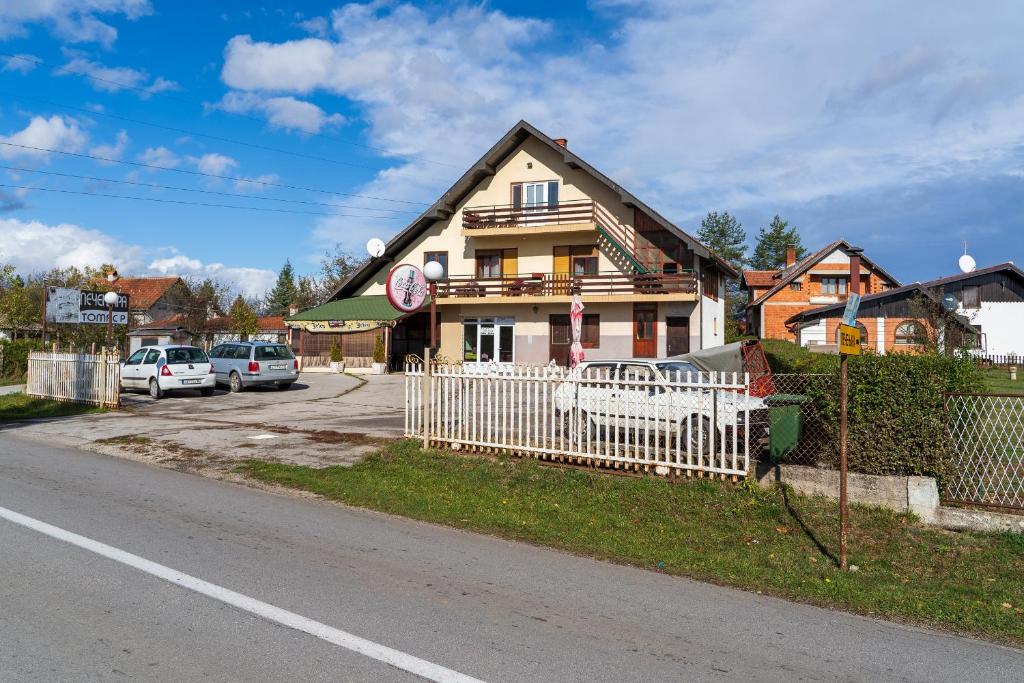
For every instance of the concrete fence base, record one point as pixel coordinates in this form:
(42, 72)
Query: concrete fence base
(919, 495)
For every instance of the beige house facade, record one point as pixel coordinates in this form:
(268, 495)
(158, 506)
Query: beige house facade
(523, 230)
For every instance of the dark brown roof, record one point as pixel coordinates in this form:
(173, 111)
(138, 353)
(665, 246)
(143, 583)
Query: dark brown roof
(787, 275)
(174, 322)
(760, 278)
(142, 292)
(270, 323)
(444, 207)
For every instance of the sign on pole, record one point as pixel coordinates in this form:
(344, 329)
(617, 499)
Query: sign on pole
(406, 288)
(852, 306)
(849, 340)
(76, 306)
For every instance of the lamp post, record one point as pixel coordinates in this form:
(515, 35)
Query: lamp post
(110, 298)
(432, 272)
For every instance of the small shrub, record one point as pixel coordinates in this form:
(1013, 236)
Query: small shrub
(14, 357)
(336, 355)
(379, 355)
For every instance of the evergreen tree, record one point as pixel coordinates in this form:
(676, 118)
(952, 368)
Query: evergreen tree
(725, 236)
(283, 294)
(770, 250)
(244, 320)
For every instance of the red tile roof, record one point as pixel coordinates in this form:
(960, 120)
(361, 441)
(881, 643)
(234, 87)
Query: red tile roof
(143, 292)
(173, 322)
(760, 278)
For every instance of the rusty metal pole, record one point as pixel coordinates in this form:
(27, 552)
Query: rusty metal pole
(110, 326)
(844, 504)
(433, 315)
(46, 296)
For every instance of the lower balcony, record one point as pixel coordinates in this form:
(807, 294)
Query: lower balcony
(554, 287)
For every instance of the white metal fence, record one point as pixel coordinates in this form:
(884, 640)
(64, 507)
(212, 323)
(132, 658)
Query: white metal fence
(987, 436)
(634, 420)
(75, 377)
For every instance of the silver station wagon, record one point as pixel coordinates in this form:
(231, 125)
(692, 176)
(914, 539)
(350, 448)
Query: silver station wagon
(245, 364)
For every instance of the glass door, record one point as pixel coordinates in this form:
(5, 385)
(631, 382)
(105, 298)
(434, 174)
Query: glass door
(488, 339)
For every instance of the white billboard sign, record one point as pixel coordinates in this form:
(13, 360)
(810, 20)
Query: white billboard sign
(75, 306)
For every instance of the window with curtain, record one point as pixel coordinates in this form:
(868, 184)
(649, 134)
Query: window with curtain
(535, 196)
(834, 285)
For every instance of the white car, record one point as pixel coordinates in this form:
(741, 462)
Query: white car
(158, 369)
(653, 396)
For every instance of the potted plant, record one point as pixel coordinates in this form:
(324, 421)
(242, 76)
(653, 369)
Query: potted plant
(337, 359)
(380, 364)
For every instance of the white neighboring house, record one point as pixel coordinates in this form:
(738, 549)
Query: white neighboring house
(992, 299)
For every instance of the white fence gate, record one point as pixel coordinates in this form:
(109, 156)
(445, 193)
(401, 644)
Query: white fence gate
(75, 377)
(630, 420)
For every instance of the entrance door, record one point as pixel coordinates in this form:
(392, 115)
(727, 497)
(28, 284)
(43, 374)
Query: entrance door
(560, 339)
(488, 339)
(645, 330)
(677, 336)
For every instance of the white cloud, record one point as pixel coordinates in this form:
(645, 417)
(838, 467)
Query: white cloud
(693, 106)
(160, 156)
(113, 151)
(116, 78)
(251, 282)
(281, 112)
(257, 183)
(32, 246)
(57, 133)
(20, 63)
(316, 26)
(74, 21)
(213, 163)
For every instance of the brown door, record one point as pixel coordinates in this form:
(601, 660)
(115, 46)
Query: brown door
(677, 336)
(645, 330)
(560, 336)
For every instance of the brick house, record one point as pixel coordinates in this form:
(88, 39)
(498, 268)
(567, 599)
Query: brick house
(820, 279)
(900, 319)
(151, 299)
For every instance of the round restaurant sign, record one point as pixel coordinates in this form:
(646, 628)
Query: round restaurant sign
(406, 288)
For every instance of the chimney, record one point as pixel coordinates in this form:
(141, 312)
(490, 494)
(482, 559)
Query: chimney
(562, 142)
(790, 255)
(855, 253)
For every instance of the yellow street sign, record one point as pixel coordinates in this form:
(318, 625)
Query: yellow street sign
(849, 340)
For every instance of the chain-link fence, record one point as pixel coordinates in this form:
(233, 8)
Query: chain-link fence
(797, 431)
(987, 436)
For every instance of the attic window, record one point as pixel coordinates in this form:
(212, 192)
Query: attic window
(529, 164)
(795, 286)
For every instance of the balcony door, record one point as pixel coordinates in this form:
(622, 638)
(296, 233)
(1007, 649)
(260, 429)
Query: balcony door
(534, 197)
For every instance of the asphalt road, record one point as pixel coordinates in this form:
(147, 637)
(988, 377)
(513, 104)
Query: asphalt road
(475, 605)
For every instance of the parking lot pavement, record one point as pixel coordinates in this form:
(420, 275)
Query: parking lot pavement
(324, 419)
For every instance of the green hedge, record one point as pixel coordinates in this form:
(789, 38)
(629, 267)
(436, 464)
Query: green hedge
(14, 357)
(896, 415)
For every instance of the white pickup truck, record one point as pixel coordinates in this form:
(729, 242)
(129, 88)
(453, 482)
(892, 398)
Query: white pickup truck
(655, 397)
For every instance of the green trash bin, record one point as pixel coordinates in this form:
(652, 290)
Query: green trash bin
(785, 423)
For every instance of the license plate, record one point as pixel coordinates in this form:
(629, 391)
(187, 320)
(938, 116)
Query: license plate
(191, 381)
(277, 366)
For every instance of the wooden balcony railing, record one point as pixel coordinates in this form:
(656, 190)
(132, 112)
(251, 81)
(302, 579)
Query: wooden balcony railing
(557, 284)
(509, 216)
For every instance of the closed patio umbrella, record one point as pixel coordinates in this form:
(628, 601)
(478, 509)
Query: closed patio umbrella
(576, 323)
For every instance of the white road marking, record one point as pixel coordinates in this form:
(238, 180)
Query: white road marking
(264, 436)
(381, 653)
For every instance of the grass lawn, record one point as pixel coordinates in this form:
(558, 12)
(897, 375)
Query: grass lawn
(998, 380)
(7, 381)
(738, 535)
(22, 407)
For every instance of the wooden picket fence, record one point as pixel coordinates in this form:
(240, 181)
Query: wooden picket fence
(676, 425)
(75, 377)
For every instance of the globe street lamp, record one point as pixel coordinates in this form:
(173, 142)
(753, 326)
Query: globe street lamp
(110, 298)
(433, 271)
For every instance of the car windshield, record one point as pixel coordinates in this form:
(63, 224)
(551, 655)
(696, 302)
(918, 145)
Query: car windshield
(275, 352)
(186, 355)
(669, 370)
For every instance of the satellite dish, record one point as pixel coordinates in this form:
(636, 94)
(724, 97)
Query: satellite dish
(950, 303)
(376, 247)
(967, 264)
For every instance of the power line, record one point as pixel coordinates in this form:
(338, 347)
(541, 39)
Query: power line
(254, 181)
(187, 203)
(185, 131)
(188, 189)
(186, 100)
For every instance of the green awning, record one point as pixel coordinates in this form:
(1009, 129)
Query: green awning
(348, 315)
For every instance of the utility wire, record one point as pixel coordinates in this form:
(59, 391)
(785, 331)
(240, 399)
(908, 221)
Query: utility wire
(253, 181)
(148, 93)
(187, 203)
(158, 186)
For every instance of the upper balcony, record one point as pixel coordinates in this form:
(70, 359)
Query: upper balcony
(508, 219)
(559, 287)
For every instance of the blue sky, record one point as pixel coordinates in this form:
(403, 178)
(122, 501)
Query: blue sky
(897, 130)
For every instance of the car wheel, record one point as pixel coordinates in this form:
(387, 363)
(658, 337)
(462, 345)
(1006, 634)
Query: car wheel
(583, 424)
(702, 438)
(285, 386)
(235, 383)
(208, 391)
(154, 389)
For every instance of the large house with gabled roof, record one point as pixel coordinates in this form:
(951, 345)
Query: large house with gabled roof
(526, 227)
